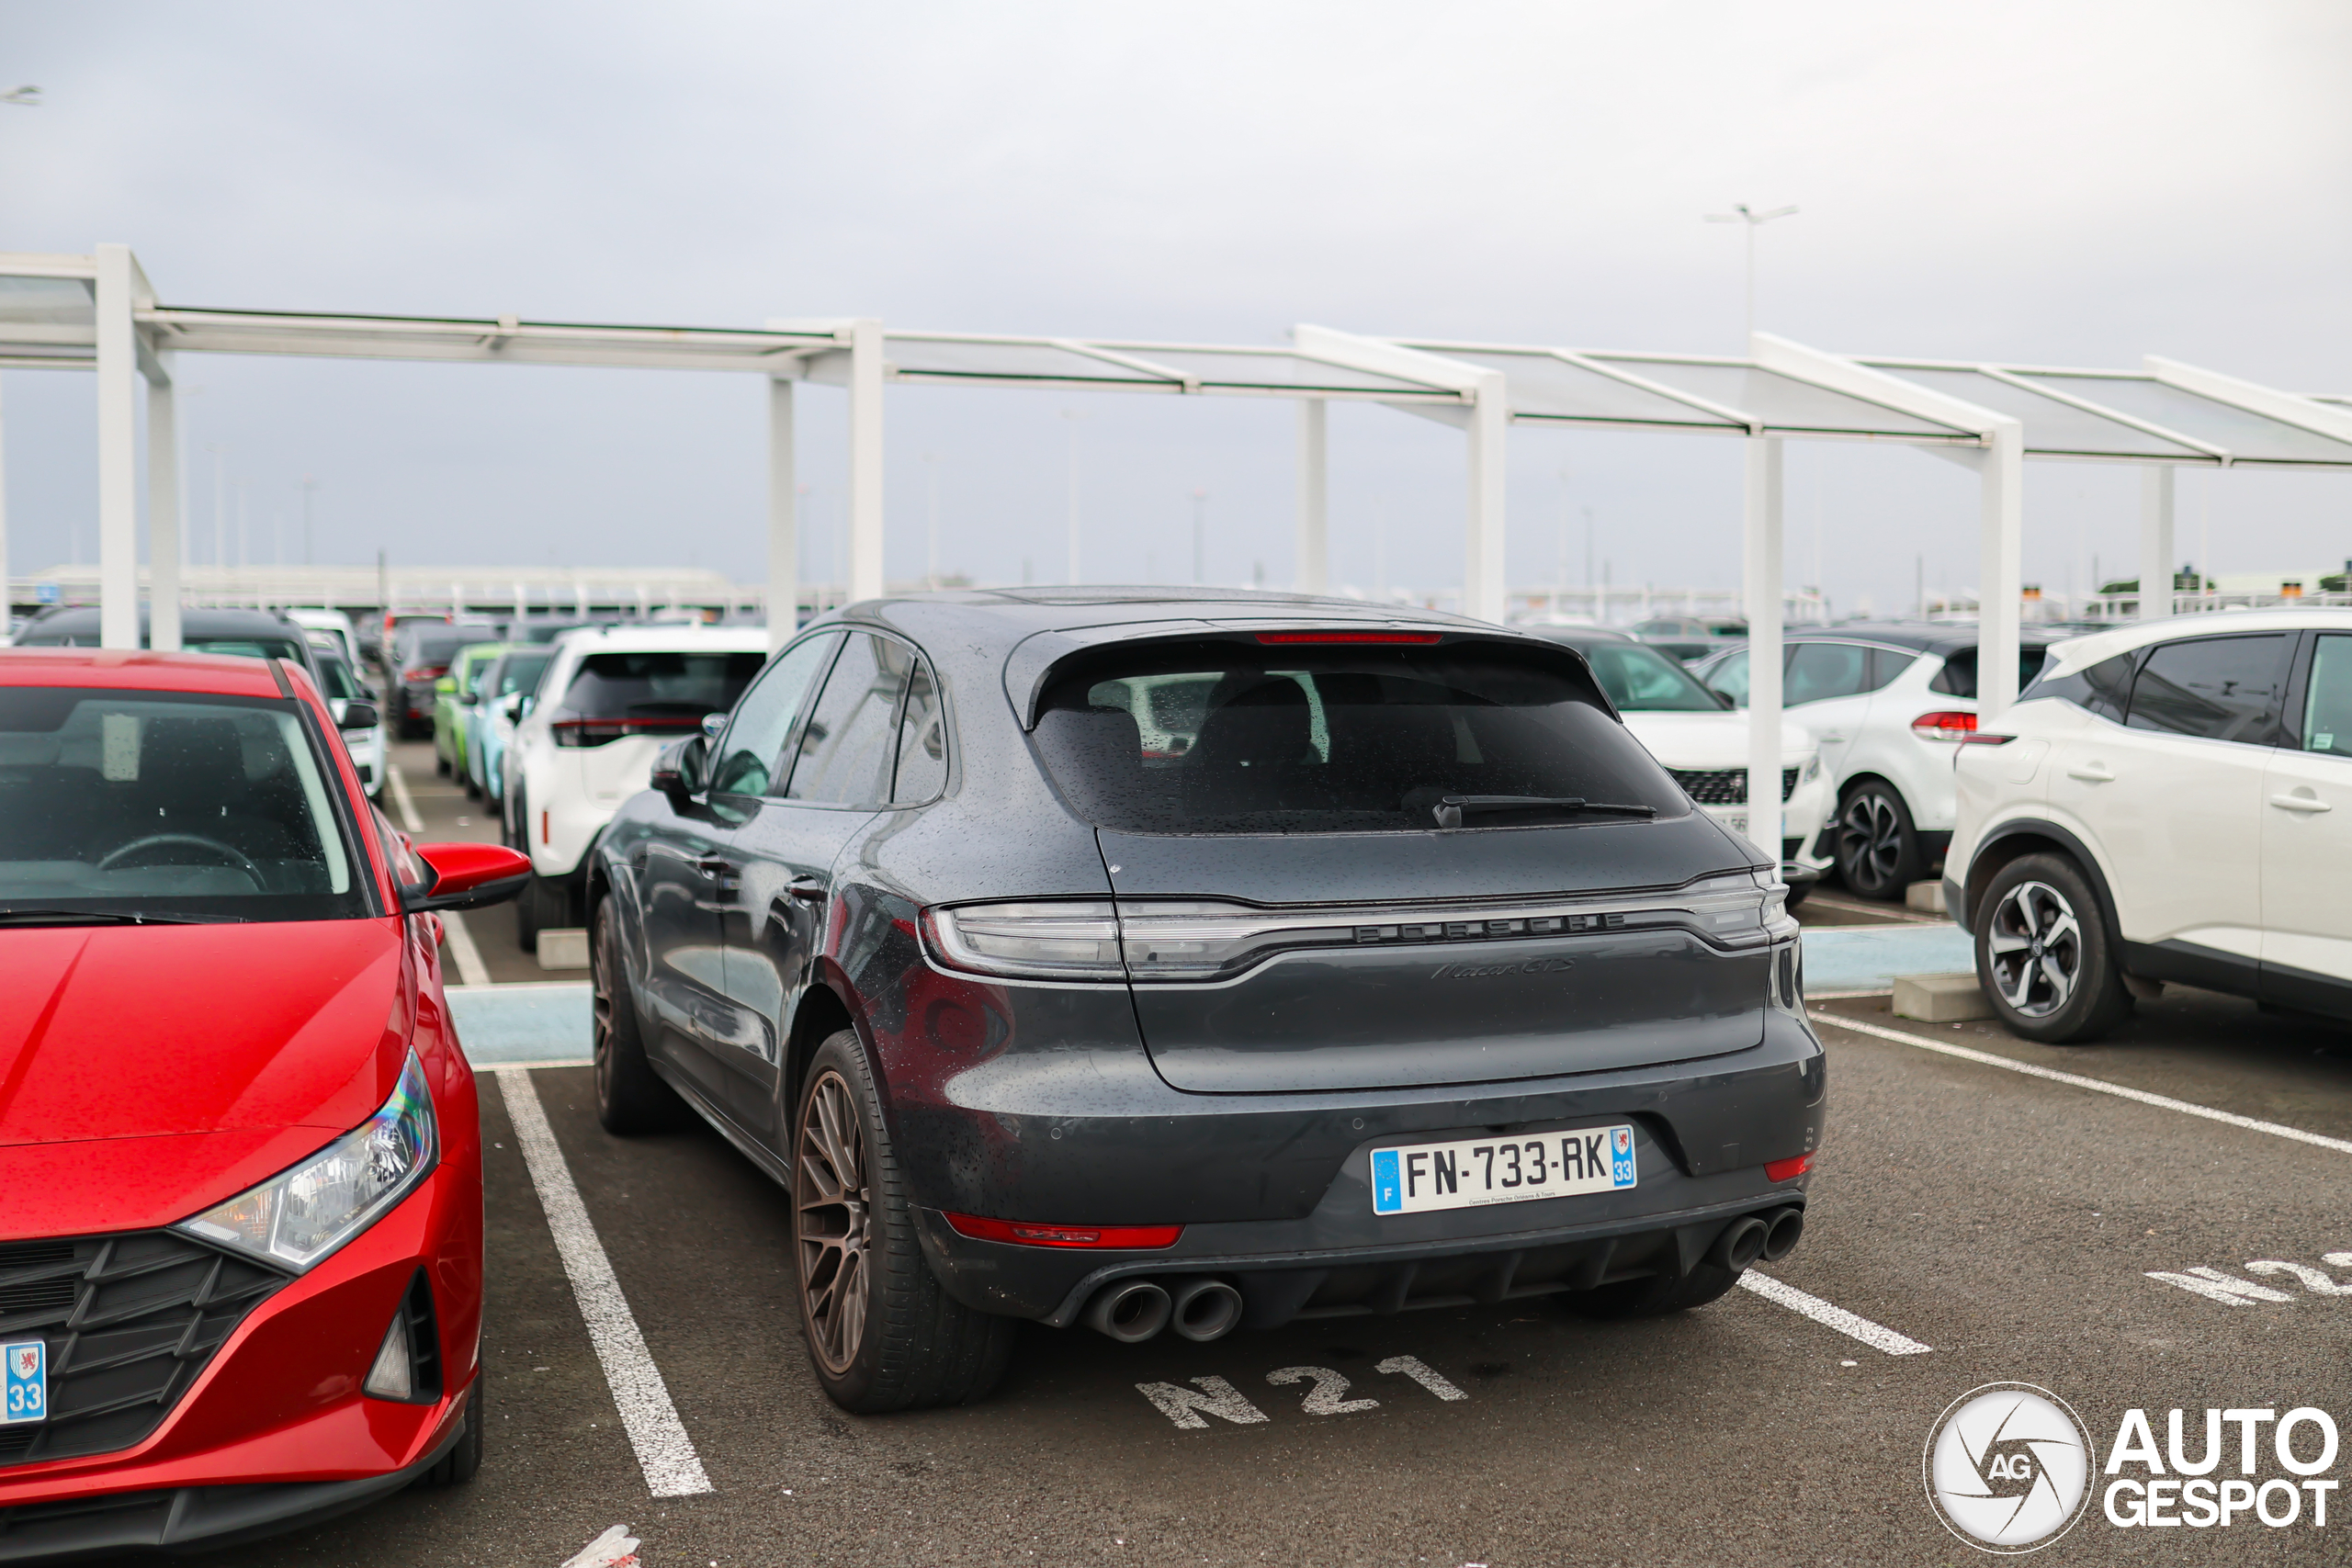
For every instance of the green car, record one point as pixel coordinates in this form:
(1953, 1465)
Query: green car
(455, 697)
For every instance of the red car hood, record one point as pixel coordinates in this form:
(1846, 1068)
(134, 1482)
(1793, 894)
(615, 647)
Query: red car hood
(141, 1032)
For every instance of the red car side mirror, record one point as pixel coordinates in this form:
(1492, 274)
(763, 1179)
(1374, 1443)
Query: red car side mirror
(465, 876)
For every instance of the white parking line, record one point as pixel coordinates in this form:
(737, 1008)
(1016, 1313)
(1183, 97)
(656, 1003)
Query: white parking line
(471, 970)
(401, 801)
(663, 1451)
(1878, 1336)
(2099, 1086)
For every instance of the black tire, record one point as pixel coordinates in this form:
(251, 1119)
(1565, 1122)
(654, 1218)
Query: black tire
(1878, 847)
(881, 1333)
(440, 761)
(510, 820)
(463, 1460)
(1658, 1296)
(630, 1096)
(2045, 956)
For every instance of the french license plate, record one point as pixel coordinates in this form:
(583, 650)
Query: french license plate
(1735, 820)
(1477, 1171)
(24, 1391)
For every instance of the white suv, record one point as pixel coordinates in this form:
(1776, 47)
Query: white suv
(611, 699)
(1888, 706)
(2161, 805)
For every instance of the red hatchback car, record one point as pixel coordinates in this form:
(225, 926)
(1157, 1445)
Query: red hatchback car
(240, 1212)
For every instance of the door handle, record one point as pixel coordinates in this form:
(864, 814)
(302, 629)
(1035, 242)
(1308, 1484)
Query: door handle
(720, 871)
(1835, 736)
(808, 887)
(2299, 803)
(2091, 772)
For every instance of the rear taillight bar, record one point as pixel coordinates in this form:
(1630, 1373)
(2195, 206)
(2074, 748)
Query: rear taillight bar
(601, 731)
(1788, 1169)
(1021, 1233)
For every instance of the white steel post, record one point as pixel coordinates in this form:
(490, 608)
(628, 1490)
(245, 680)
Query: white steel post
(865, 460)
(1482, 566)
(2156, 556)
(1761, 574)
(2002, 477)
(117, 368)
(1313, 497)
(784, 522)
(164, 519)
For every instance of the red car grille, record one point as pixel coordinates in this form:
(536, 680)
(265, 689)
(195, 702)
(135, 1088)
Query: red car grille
(130, 1321)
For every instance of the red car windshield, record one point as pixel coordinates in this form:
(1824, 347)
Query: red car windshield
(165, 805)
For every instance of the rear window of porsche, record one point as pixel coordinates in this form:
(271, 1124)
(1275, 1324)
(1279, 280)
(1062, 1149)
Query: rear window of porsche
(1244, 738)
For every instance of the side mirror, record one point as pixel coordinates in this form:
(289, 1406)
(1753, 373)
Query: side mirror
(511, 704)
(357, 715)
(466, 699)
(683, 770)
(465, 876)
(445, 686)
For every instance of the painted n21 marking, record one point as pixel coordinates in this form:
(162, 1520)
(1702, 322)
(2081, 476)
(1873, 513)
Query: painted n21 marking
(2231, 1291)
(1190, 1408)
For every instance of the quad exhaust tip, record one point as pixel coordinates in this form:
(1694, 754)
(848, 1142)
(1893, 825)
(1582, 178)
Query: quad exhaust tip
(1130, 1312)
(1741, 1244)
(1781, 1233)
(1204, 1309)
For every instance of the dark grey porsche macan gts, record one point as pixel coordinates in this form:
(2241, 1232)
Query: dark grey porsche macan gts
(1153, 960)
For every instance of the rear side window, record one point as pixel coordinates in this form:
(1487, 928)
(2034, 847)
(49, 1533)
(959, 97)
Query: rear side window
(1236, 737)
(2328, 706)
(846, 747)
(1958, 677)
(1820, 670)
(2217, 688)
(922, 742)
(521, 672)
(2104, 688)
(651, 691)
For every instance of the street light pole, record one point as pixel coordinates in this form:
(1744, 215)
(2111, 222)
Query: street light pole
(1742, 213)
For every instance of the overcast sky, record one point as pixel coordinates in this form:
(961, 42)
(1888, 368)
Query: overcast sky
(2056, 182)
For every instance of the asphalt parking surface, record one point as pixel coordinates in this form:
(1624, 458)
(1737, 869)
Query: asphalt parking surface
(2007, 1221)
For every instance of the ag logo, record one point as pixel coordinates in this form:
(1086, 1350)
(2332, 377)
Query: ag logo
(2008, 1467)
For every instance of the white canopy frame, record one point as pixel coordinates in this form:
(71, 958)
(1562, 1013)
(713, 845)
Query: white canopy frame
(99, 312)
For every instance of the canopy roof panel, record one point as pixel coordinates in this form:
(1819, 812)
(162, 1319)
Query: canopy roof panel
(2246, 436)
(2052, 428)
(1548, 384)
(1784, 405)
(2165, 413)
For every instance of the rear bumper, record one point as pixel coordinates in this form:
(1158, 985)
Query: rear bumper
(1269, 1185)
(1277, 1288)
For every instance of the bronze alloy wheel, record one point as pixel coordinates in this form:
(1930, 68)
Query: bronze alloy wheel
(832, 1223)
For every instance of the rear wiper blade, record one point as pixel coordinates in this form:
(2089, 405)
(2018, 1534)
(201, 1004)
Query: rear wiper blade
(1450, 808)
(110, 918)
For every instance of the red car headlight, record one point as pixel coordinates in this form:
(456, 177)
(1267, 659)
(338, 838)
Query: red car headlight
(301, 1215)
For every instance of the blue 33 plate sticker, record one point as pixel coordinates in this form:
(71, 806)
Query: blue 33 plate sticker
(27, 1384)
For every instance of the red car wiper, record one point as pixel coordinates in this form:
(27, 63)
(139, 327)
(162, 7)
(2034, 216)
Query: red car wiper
(110, 918)
(1451, 807)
